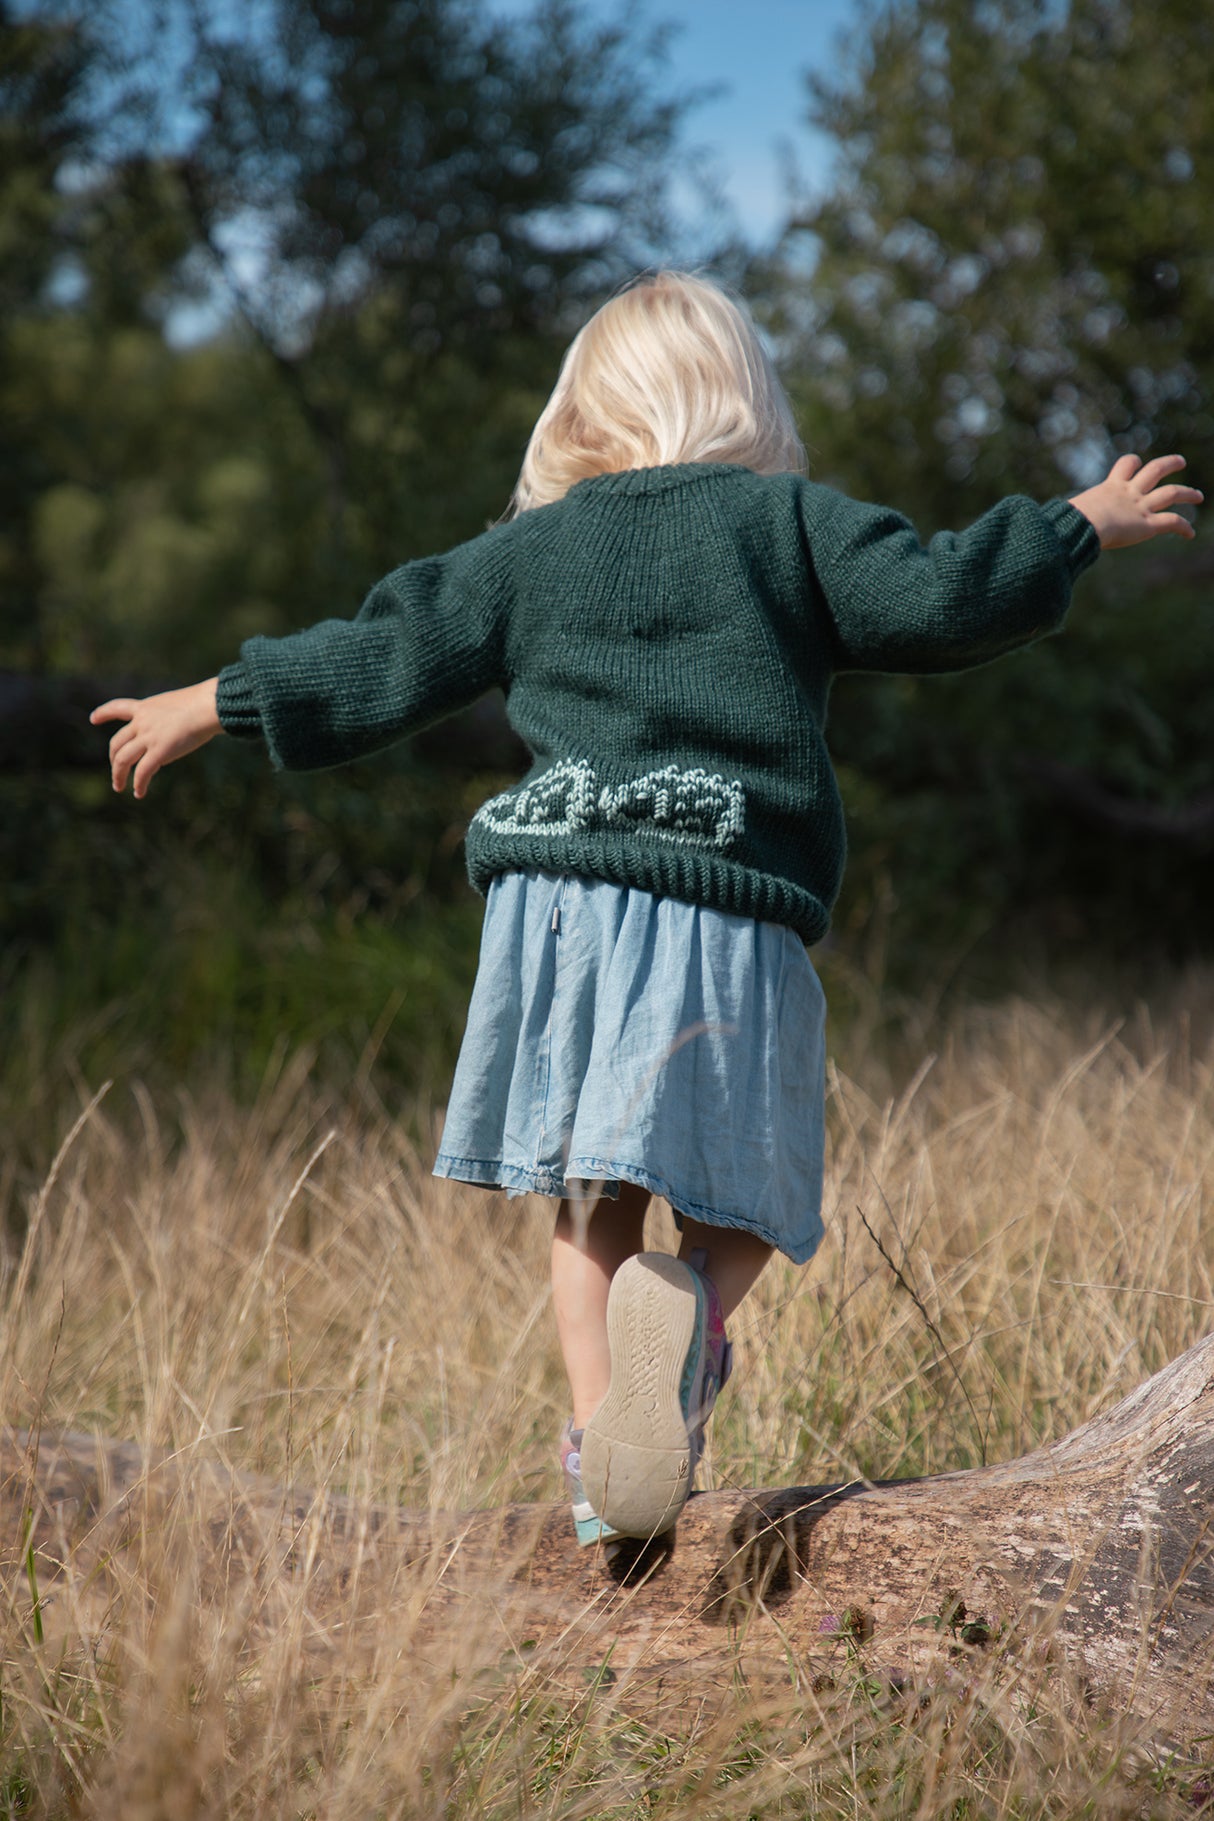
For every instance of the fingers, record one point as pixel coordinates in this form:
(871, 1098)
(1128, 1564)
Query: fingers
(1157, 502)
(1164, 522)
(1158, 470)
(124, 748)
(120, 709)
(125, 754)
(1142, 501)
(1160, 498)
(139, 759)
(145, 771)
(119, 740)
(131, 751)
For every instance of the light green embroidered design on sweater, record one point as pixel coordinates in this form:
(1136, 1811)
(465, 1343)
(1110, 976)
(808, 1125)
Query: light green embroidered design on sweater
(666, 638)
(696, 808)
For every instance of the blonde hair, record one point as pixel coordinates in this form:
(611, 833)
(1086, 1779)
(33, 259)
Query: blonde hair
(670, 370)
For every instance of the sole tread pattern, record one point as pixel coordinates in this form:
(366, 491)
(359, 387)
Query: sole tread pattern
(636, 1455)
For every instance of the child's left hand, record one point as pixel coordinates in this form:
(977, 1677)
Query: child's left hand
(1131, 504)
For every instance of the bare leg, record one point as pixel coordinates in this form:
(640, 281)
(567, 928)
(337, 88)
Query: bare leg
(735, 1258)
(581, 1279)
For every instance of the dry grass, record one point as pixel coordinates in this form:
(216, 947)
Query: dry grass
(286, 1286)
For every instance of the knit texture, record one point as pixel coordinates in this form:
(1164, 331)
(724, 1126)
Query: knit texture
(666, 638)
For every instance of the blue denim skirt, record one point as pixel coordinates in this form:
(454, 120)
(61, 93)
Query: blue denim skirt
(618, 1037)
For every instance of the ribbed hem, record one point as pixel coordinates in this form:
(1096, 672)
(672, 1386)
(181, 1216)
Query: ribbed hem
(1076, 533)
(664, 868)
(236, 704)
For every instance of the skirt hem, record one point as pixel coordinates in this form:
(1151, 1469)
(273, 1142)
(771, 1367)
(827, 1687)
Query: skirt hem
(527, 1179)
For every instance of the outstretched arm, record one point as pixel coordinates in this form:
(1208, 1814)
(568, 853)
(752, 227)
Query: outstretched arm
(428, 639)
(1132, 503)
(897, 605)
(156, 730)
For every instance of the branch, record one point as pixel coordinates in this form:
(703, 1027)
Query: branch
(1190, 823)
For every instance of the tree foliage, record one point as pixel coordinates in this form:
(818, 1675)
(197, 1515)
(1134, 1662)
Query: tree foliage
(1010, 282)
(406, 200)
(284, 286)
(1014, 273)
(289, 285)
(41, 71)
(380, 212)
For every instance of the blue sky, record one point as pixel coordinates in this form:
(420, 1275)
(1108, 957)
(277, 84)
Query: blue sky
(758, 51)
(753, 54)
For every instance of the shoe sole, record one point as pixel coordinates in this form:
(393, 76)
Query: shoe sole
(636, 1455)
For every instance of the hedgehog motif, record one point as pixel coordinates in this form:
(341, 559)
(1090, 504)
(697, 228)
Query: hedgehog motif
(694, 808)
(560, 801)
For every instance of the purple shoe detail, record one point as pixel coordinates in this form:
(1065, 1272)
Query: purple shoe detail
(715, 1363)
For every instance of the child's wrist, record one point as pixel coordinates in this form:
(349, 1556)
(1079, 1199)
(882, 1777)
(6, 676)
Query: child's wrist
(207, 694)
(1089, 505)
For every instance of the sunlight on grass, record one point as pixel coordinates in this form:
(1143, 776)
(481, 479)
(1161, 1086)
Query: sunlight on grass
(1016, 1237)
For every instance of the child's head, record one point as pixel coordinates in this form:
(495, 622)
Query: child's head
(670, 370)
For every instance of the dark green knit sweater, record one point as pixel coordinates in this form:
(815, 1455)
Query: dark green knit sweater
(666, 638)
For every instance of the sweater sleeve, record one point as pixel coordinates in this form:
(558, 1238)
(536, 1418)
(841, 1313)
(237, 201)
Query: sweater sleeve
(429, 639)
(964, 598)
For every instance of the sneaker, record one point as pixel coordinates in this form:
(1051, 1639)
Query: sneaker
(588, 1526)
(669, 1359)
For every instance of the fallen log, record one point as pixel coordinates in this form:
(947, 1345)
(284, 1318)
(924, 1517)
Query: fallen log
(1102, 1540)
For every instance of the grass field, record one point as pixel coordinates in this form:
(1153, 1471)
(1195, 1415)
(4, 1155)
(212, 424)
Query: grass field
(284, 1285)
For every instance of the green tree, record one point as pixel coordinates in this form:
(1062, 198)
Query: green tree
(408, 202)
(42, 71)
(93, 543)
(289, 285)
(1013, 274)
(380, 215)
(1010, 283)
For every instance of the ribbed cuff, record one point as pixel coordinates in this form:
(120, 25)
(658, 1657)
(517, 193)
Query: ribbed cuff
(1077, 534)
(235, 703)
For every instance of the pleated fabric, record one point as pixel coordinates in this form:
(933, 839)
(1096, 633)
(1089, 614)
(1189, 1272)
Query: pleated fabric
(614, 1036)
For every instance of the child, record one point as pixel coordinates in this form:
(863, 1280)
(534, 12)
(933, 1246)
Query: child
(665, 608)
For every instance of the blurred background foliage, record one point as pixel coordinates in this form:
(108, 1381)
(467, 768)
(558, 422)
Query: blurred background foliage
(281, 294)
(1009, 283)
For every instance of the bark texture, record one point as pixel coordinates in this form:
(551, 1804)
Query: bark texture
(1102, 1540)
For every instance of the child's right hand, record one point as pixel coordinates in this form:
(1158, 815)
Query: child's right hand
(1131, 505)
(158, 730)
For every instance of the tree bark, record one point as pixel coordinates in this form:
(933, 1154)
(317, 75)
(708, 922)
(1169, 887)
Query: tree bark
(1102, 1541)
(1190, 824)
